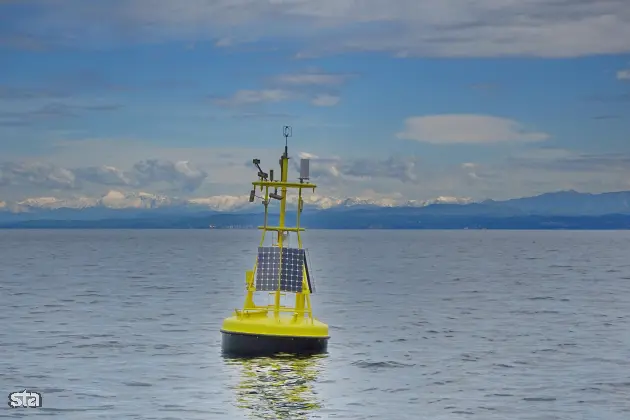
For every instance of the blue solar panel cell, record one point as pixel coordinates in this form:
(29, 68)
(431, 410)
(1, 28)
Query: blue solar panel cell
(280, 268)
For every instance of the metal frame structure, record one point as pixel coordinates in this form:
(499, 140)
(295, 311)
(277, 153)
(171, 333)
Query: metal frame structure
(266, 183)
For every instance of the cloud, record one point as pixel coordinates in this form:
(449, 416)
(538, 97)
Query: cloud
(325, 100)
(338, 169)
(560, 160)
(402, 169)
(529, 172)
(79, 82)
(182, 173)
(470, 169)
(450, 129)
(313, 79)
(595, 163)
(623, 74)
(290, 87)
(105, 175)
(534, 172)
(26, 176)
(405, 28)
(303, 83)
(261, 115)
(252, 97)
(36, 174)
(269, 96)
(22, 93)
(49, 112)
(92, 168)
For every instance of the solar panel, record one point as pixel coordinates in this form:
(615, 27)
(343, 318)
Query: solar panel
(268, 268)
(271, 272)
(292, 266)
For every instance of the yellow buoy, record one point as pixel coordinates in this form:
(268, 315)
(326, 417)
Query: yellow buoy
(279, 270)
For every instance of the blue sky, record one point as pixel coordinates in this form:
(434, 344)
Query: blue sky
(408, 99)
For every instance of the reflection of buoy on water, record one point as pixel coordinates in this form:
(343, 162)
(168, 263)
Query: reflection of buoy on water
(279, 270)
(278, 387)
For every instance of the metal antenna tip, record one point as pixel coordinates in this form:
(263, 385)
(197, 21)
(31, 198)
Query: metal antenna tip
(287, 131)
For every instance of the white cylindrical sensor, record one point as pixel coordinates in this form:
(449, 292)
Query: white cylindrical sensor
(304, 168)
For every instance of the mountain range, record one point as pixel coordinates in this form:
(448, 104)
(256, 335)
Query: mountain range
(555, 210)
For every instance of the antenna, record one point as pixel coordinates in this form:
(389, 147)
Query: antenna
(287, 131)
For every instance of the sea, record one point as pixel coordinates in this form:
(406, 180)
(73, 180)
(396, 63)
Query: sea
(124, 324)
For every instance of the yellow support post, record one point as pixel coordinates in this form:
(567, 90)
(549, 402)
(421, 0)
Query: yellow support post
(299, 297)
(284, 162)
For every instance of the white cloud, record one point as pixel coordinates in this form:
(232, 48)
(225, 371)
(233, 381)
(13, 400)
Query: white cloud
(448, 129)
(250, 97)
(182, 173)
(43, 176)
(253, 97)
(313, 79)
(547, 154)
(470, 168)
(336, 169)
(307, 155)
(544, 28)
(105, 174)
(567, 161)
(89, 170)
(223, 42)
(623, 74)
(325, 100)
(543, 170)
(103, 164)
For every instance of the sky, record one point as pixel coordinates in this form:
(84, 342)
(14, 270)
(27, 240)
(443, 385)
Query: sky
(412, 99)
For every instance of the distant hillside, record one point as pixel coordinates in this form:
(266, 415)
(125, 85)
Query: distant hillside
(560, 210)
(568, 203)
(384, 218)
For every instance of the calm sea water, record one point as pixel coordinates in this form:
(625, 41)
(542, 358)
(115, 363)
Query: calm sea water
(424, 325)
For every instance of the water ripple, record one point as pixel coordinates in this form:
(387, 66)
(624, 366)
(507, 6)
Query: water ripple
(447, 325)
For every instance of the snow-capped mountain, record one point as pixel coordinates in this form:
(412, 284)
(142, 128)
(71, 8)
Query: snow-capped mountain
(56, 203)
(563, 202)
(141, 200)
(111, 200)
(224, 203)
(127, 210)
(330, 202)
(221, 202)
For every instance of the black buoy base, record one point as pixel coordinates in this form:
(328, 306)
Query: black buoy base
(253, 345)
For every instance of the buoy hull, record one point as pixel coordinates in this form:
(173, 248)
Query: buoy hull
(258, 332)
(240, 344)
